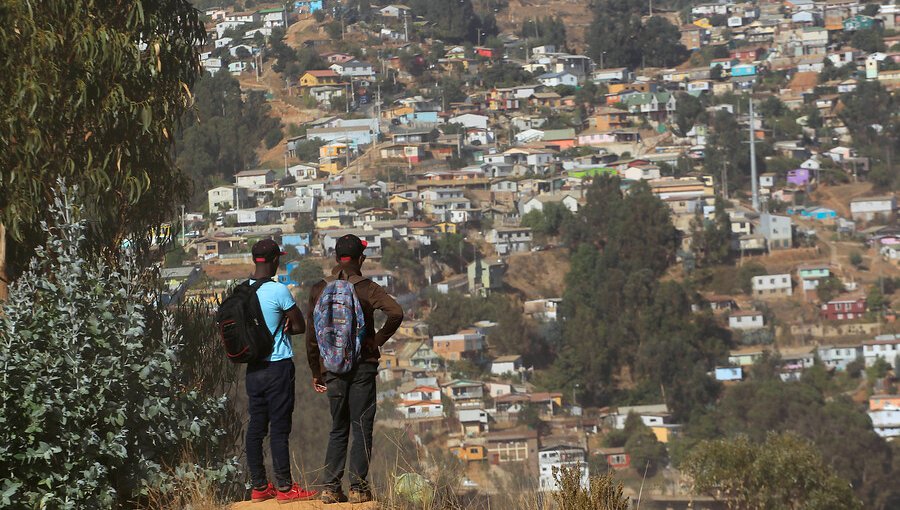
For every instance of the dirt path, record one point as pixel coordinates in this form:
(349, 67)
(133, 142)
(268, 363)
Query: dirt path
(839, 197)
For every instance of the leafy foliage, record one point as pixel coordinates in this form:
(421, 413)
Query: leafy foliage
(617, 314)
(91, 93)
(97, 403)
(622, 39)
(784, 472)
(545, 30)
(549, 220)
(221, 136)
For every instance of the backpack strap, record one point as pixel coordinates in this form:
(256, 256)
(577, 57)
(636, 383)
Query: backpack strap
(259, 283)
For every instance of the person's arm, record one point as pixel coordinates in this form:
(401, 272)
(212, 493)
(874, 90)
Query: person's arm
(293, 324)
(381, 300)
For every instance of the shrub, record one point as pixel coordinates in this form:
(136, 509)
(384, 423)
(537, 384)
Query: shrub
(603, 493)
(97, 406)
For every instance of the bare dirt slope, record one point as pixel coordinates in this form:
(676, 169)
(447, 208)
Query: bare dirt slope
(839, 197)
(538, 274)
(576, 14)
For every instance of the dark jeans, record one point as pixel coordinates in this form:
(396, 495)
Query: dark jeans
(352, 399)
(270, 390)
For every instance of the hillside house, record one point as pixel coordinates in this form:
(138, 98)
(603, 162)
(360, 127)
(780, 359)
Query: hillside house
(772, 285)
(473, 422)
(485, 276)
(512, 446)
(871, 208)
(843, 308)
(317, 78)
(811, 275)
(778, 231)
(227, 197)
(554, 458)
(254, 179)
(463, 393)
(537, 203)
(746, 320)
(506, 365)
(886, 347)
(543, 310)
(837, 357)
(467, 344)
(507, 240)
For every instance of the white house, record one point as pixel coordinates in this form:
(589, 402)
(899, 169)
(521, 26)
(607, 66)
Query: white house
(254, 179)
(536, 203)
(641, 173)
(227, 197)
(236, 68)
(472, 421)
(506, 240)
(767, 180)
(303, 171)
(746, 319)
(506, 364)
(557, 79)
(470, 120)
(772, 285)
(412, 410)
(394, 11)
(886, 421)
(869, 208)
(651, 415)
(557, 457)
(222, 42)
(353, 69)
(839, 356)
(621, 74)
(420, 393)
(886, 347)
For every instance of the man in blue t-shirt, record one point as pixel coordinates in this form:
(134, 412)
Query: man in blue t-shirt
(270, 383)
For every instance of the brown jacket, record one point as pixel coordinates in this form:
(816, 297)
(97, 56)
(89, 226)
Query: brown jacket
(372, 297)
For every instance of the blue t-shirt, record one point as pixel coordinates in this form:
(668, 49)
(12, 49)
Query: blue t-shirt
(275, 299)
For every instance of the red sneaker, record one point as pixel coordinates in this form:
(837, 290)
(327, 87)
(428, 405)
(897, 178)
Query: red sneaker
(263, 494)
(296, 493)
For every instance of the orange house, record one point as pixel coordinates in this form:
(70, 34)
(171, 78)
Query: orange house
(610, 119)
(880, 402)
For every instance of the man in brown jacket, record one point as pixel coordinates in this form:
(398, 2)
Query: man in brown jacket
(352, 395)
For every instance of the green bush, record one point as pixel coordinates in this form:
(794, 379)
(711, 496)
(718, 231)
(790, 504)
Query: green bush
(97, 405)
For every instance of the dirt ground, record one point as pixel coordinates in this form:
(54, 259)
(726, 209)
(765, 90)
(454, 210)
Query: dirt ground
(538, 274)
(575, 14)
(839, 197)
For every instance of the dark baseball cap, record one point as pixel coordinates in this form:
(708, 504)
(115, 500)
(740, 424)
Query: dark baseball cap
(266, 251)
(349, 247)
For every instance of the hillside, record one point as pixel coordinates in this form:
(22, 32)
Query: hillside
(576, 16)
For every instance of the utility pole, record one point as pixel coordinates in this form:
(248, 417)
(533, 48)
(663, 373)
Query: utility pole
(405, 27)
(754, 179)
(182, 225)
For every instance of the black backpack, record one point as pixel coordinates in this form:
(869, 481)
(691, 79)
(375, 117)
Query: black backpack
(242, 326)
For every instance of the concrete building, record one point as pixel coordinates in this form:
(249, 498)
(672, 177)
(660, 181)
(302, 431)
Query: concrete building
(227, 197)
(870, 208)
(772, 285)
(506, 240)
(746, 319)
(552, 458)
(778, 231)
(886, 347)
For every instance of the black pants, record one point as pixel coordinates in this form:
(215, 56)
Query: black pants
(270, 389)
(352, 399)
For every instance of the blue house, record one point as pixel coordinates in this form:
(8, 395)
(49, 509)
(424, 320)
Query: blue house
(299, 241)
(819, 213)
(729, 374)
(743, 70)
(309, 6)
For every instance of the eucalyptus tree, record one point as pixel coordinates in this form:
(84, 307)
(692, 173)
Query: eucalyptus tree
(92, 91)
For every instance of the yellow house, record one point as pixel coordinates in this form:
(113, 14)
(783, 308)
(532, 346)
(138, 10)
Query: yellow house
(316, 78)
(664, 433)
(469, 453)
(326, 223)
(332, 166)
(333, 150)
(445, 227)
